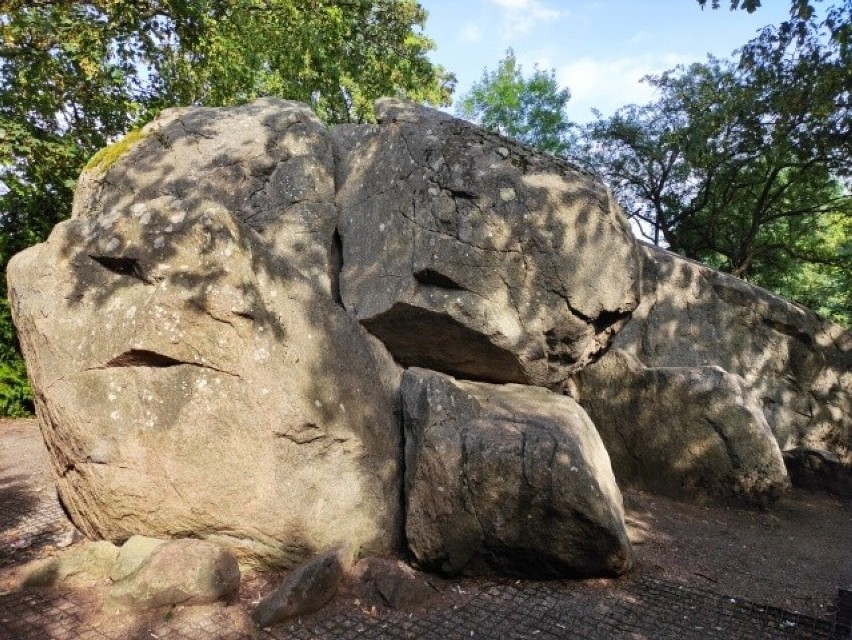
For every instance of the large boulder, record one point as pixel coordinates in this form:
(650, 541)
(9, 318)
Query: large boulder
(508, 478)
(691, 433)
(192, 373)
(468, 254)
(797, 365)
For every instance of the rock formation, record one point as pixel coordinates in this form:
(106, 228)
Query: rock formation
(193, 375)
(777, 357)
(215, 338)
(308, 588)
(690, 433)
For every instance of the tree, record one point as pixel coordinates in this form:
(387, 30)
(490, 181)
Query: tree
(824, 285)
(752, 5)
(803, 13)
(75, 75)
(744, 166)
(531, 110)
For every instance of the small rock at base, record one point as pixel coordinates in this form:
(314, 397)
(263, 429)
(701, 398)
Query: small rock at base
(307, 588)
(132, 555)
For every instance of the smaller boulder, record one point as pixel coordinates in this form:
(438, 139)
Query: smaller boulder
(132, 555)
(308, 588)
(393, 584)
(509, 479)
(818, 469)
(180, 572)
(91, 561)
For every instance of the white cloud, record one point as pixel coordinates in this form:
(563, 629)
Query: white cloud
(471, 33)
(520, 16)
(607, 85)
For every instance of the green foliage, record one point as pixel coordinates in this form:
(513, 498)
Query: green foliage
(16, 399)
(824, 285)
(530, 110)
(76, 75)
(746, 166)
(336, 56)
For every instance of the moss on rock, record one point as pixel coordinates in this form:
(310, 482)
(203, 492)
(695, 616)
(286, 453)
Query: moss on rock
(107, 156)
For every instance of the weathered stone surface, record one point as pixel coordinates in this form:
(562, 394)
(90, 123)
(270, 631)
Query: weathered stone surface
(192, 374)
(815, 469)
(468, 254)
(686, 432)
(507, 478)
(133, 554)
(270, 164)
(183, 572)
(307, 588)
(199, 368)
(797, 365)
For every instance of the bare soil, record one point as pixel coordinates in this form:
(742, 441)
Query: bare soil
(793, 556)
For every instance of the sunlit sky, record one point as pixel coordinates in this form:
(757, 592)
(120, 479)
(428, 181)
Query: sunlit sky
(600, 49)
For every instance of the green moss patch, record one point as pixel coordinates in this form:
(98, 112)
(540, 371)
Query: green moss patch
(107, 156)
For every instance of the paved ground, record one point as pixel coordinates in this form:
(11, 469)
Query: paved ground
(656, 602)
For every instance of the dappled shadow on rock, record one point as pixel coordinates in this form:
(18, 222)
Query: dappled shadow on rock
(476, 256)
(794, 367)
(197, 376)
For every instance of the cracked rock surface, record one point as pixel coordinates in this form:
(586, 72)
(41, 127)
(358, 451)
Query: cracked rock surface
(214, 341)
(192, 373)
(507, 478)
(468, 254)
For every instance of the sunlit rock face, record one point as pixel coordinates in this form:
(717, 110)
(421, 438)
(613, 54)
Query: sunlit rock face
(468, 254)
(193, 375)
(795, 367)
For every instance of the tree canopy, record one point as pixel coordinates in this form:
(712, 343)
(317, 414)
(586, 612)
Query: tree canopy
(74, 75)
(745, 164)
(530, 110)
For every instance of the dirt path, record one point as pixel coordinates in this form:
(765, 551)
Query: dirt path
(793, 556)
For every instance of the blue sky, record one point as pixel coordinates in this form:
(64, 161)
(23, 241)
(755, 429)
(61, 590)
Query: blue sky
(599, 48)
